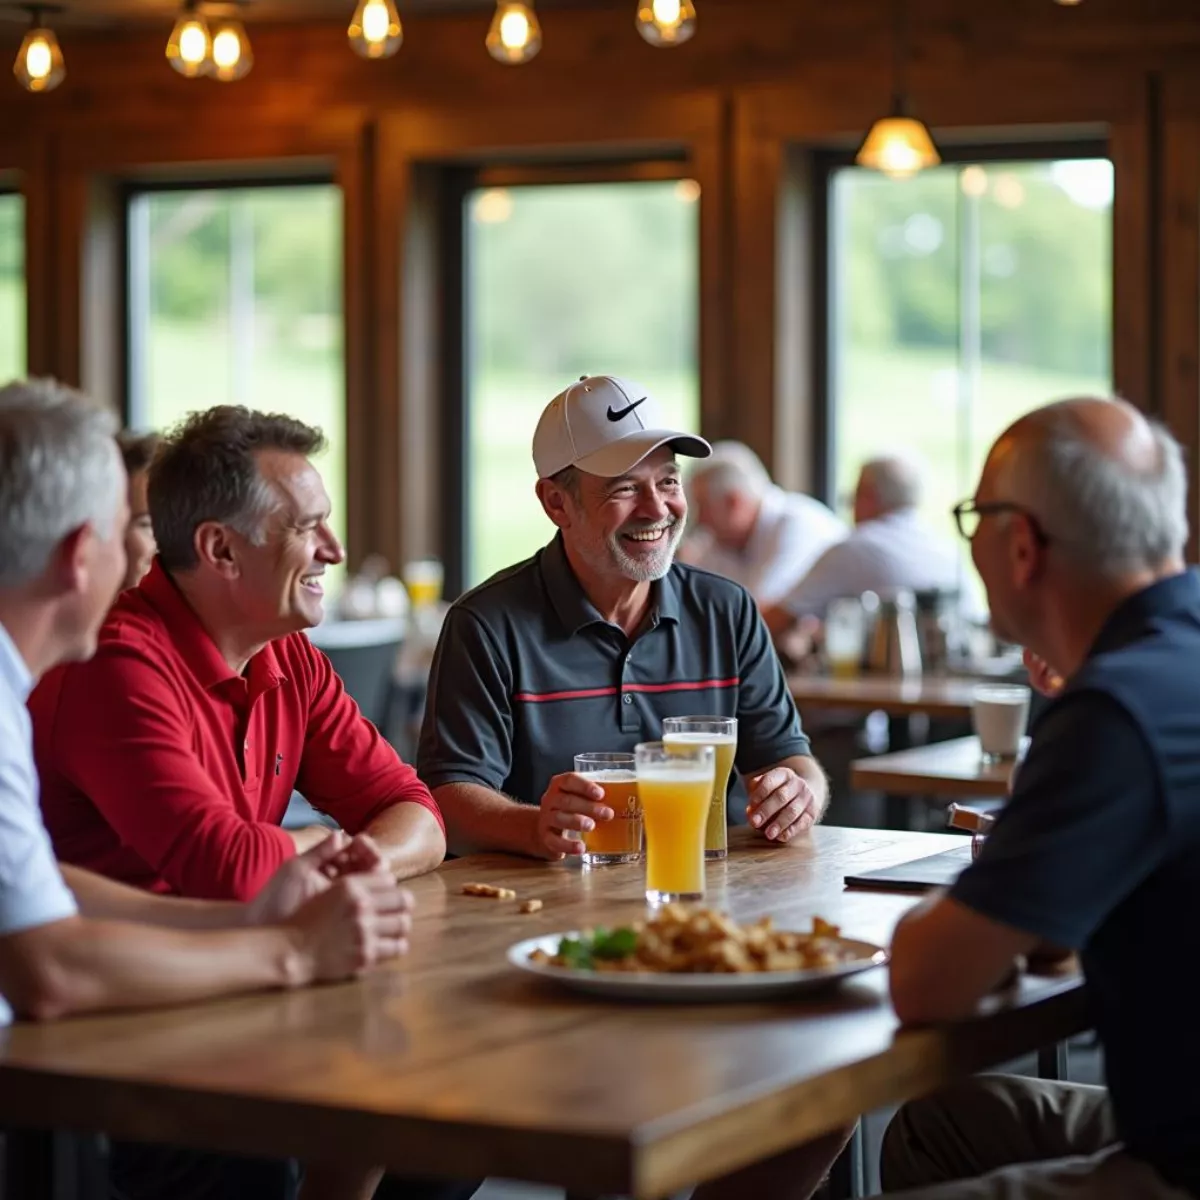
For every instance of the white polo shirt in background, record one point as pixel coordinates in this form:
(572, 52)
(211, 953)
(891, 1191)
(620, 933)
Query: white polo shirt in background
(895, 551)
(32, 889)
(791, 533)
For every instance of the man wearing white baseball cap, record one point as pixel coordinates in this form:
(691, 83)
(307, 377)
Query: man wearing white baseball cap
(588, 645)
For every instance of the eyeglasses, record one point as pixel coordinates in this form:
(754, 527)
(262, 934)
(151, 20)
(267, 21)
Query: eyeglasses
(968, 514)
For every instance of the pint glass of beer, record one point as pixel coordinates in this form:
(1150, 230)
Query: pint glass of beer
(618, 840)
(721, 734)
(675, 786)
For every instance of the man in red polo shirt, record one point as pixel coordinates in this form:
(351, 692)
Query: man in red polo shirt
(167, 761)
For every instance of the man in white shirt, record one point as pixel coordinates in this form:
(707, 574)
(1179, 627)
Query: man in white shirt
(72, 941)
(890, 548)
(752, 531)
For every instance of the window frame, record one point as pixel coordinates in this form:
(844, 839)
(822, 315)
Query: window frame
(458, 182)
(130, 190)
(825, 164)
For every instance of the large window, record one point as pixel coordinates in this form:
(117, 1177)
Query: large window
(12, 286)
(565, 280)
(235, 297)
(962, 298)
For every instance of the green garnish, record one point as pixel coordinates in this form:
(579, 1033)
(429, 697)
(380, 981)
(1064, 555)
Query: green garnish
(609, 945)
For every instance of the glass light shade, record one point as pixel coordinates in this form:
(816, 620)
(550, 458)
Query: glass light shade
(898, 146)
(515, 35)
(666, 22)
(39, 65)
(190, 46)
(231, 57)
(375, 30)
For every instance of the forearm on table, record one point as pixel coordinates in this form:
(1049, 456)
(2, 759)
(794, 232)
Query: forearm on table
(308, 836)
(107, 900)
(478, 818)
(82, 965)
(409, 835)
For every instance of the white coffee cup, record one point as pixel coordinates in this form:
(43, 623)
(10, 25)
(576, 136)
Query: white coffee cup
(1000, 712)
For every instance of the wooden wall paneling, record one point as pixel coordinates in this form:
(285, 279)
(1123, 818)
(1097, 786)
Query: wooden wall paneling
(1131, 141)
(1180, 307)
(414, 143)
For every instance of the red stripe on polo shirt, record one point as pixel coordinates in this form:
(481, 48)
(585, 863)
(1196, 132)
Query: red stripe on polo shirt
(698, 685)
(583, 694)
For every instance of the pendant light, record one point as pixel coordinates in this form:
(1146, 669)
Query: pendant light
(39, 65)
(232, 57)
(898, 145)
(375, 30)
(666, 22)
(515, 35)
(189, 49)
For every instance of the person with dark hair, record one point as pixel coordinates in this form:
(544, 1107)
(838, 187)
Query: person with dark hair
(137, 449)
(168, 761)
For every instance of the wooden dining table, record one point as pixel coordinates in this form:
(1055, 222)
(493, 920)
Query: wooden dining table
(941, 769)
(453, 1063)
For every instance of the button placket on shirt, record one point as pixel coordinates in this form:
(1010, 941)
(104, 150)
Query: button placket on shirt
(629, 715)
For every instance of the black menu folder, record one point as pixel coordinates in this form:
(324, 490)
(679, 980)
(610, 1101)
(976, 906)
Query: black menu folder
(919, 875)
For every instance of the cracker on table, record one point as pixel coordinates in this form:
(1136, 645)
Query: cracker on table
(531, 906)
(488, 891)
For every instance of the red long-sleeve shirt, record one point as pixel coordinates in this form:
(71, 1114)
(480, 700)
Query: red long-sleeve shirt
(162, 768)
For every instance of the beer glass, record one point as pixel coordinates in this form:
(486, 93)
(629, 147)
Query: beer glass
(618, 840)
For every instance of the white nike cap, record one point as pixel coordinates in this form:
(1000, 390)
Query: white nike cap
(605, 426)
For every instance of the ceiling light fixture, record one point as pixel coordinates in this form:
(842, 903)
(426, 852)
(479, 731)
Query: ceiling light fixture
(39, 65)
(375, 30)
(189, 49)
(515, 35)
(898, 145)
(232, 57)
(666, 22)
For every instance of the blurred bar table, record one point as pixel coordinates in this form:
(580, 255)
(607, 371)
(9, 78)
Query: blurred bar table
(930, 695)
(946, 769)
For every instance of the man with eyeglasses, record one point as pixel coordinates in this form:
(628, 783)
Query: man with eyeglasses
(1077, 529)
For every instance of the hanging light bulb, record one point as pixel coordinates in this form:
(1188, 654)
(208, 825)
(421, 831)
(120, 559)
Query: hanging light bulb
(898, 145)
(232, 57)
(189, 49)
(515, 36)
(375, 30)
(39, 65)
(666, 22)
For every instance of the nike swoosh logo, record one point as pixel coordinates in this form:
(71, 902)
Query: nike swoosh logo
(613, 415)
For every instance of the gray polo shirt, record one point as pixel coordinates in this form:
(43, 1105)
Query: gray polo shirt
(527, 674)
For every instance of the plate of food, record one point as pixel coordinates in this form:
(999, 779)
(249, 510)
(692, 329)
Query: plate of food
(696, 955)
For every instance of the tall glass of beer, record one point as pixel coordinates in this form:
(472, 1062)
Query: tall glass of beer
(721, 734)
(675, 788)
(618, 840)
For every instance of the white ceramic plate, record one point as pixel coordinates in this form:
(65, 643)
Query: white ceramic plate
(732, 989)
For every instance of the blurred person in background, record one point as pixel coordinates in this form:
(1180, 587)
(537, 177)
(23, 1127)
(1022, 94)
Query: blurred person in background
(890, 548)
(137, 450)
(749, 529)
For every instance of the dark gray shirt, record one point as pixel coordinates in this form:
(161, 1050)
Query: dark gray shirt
(527, 674)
